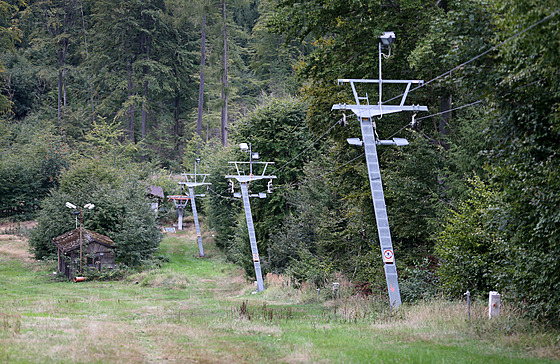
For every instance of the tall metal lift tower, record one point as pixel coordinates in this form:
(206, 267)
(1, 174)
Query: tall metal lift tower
(366, 113)
(244, 181)
(192, 181)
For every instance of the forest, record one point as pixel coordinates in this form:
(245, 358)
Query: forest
(100, 97)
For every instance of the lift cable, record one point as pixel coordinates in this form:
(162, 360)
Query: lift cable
(310, 145)
(480, 55)
(431, 115)
(320, 176)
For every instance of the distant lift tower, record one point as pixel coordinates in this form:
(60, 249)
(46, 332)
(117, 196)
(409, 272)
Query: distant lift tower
(195, 180)
(365, 114)
(244, 181)
(180, 202)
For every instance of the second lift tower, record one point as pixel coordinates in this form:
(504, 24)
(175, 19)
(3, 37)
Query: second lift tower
(244, 179)
(195, 180)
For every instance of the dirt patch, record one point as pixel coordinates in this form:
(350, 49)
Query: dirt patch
(15, 247)
(6, 226)
(12, 244)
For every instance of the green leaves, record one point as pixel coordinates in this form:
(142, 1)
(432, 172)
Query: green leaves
(470, 245)
(122, 212)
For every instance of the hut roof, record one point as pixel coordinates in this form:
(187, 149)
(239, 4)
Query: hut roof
(71, 240)
(156, 191)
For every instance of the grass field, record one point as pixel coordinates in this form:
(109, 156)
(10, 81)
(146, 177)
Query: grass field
(202, 310)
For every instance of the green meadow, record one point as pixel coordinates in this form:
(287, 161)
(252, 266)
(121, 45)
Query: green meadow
(202, 310)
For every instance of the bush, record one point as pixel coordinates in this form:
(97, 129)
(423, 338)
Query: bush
(419, 281)
(122, 212)
(469, 244)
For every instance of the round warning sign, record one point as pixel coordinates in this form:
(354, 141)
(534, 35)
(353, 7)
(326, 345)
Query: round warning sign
(255, 257)
(388, 256)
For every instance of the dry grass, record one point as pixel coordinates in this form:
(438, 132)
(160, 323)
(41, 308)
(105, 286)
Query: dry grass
(15, 247)
(301, 354)
(155, 278)
(165, 315)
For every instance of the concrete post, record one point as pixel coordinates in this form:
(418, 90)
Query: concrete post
(493, 304)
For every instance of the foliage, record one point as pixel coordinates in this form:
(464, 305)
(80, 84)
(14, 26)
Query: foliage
(122, 212)
(9, 35)
(102, 95)
(30, 163)
(524, 129)
(419, 282)
(310, 268)
(276, 129)
(221, 208)
(469, 246)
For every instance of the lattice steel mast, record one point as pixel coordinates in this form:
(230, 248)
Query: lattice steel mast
(192, 181)
(244, 181)
(365, 114)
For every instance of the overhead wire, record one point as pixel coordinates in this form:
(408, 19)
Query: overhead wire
(310, 145)
(435, 79)
(480, 55)
(322, 175)
(413, 89)
(436, 114)
(447, 111)
(222, 196)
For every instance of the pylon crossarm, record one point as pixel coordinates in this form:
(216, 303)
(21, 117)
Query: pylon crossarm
(192, 178)
(260, 176)
(370, 111)
(194, 184)
(244, 178)
(357, 98)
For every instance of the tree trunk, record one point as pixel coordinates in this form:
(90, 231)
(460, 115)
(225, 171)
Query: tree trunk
(131, 107)
(444, 105)
(177, 127)
(145, 40)
(59, 117)
(224, 81)
(64, 88)
(145, 110)
(201, 85)
(87, 59)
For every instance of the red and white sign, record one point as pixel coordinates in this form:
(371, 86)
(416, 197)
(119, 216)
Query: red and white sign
(388, 256)
(255, 257)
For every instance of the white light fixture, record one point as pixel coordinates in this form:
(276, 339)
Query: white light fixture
(89, 206)
(70, 206)
(387, 38)
(354, 141)
(244, 147)
(400, 141)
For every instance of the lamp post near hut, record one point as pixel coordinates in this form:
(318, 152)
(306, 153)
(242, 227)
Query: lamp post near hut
(78, 211)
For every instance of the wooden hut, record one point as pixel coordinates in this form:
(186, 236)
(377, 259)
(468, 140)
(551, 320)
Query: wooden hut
(98, 251)
(156, 197)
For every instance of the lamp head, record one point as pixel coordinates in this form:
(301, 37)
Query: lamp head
(197, 160)
(244, 147)
(70, 206)
(89, 206)
(387, 38)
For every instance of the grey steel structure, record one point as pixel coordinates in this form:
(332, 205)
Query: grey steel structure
(191, 183)
(180, 202)
(244, 181)
(365, 114)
